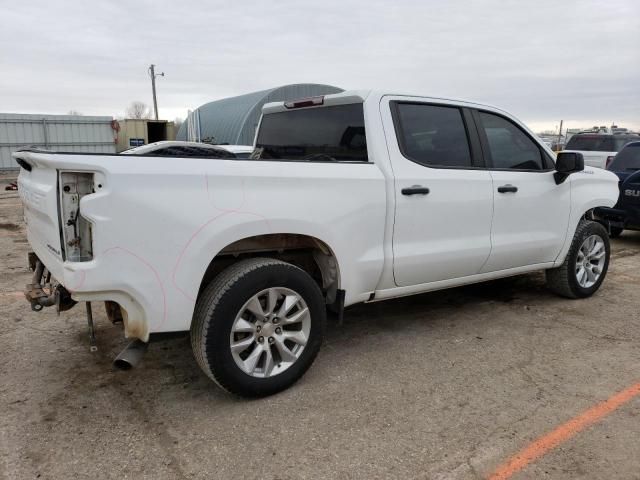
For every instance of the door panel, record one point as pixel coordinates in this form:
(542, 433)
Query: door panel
(445, 233)
(531, 212)
(529, 226)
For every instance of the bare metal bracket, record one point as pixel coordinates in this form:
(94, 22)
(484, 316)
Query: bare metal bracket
(93, 347)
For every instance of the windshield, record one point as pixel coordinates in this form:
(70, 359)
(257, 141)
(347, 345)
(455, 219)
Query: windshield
(334, 133)
(627, 159)
(597, 143)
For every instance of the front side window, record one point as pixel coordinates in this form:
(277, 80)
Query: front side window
(509, 146)
(333, 133)
(432, 135)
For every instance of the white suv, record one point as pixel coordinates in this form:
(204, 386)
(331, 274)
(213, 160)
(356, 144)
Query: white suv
(598, 149)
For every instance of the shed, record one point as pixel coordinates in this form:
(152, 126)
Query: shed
(134, 132)
(234, 120)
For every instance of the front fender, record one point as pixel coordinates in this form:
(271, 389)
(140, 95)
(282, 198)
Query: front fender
(591, 188)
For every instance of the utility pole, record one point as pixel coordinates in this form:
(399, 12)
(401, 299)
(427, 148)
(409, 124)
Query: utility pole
(153, 75)
(559, 136)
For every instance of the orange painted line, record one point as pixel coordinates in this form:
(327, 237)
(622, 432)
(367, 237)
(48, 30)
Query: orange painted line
(563, 433)
(12, 294)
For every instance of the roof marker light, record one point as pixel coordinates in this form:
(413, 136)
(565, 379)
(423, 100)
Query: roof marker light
(305, 102)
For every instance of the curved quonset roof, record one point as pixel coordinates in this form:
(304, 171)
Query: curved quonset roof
(234, 120)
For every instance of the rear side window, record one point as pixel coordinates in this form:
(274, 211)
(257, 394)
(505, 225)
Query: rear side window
(432, 135)
(334, 133)
(627, 159)
(509, 146)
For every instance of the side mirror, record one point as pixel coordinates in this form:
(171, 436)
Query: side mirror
(566, 164)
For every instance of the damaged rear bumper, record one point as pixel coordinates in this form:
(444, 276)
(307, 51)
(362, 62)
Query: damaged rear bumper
(46, 290)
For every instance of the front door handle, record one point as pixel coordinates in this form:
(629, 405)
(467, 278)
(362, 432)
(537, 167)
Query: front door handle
(508, 188)
(415, 190)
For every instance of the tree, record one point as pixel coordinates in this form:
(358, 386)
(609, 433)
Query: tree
(138, 110)
(74, 112)
(178, 123)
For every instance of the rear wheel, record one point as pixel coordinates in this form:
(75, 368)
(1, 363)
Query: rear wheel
(586, 264)
(258, 326)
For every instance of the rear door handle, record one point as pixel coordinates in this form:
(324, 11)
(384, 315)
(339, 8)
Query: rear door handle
(415, 190)
(508, 188)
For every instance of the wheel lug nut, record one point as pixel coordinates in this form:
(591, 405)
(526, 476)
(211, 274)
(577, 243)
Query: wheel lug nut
(258, 328)
(271, 340)
(260, 339)
(275, 320)
(278, 330)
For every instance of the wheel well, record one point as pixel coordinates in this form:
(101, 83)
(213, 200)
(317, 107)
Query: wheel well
(308, 253)
(596, 214)
(589, 214)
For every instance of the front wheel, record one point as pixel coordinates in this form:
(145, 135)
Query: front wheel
(258, 326)
(586, 264)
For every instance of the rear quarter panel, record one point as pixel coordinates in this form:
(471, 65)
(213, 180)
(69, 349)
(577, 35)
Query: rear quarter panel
(158, 222)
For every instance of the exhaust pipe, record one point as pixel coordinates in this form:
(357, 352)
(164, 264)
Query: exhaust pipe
(131, 355)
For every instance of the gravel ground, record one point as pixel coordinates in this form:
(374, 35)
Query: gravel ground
(447, 385)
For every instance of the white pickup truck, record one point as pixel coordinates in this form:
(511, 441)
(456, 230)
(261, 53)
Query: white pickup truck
(356, 197)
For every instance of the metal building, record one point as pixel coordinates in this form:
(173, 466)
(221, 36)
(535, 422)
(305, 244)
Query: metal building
(70, 133)
(134, 132)
(234, 120)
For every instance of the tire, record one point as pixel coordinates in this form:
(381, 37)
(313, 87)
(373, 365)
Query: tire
(615, 232)
(565, 279)
(219, 319)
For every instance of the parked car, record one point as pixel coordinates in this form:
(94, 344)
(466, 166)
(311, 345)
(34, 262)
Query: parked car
(599, 149)
(176, 148)
(348, 198)
(625, 215)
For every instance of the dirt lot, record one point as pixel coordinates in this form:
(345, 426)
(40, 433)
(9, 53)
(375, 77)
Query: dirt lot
(438, 386)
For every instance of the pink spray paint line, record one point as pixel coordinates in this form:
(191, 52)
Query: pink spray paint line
(225, 211)
(184, 249)
(83, 277)
(155, 273)
(78, 285)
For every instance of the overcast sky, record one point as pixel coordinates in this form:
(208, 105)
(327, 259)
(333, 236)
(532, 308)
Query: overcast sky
(543, 60)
